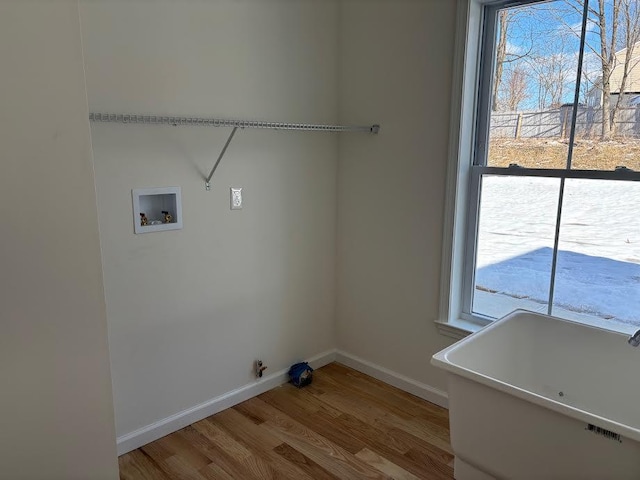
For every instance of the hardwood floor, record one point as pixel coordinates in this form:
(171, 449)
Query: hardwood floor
(345, 425)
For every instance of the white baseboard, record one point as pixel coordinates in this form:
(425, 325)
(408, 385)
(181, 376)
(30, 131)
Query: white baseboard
(165, 426)
(159, 429)
(422, 390)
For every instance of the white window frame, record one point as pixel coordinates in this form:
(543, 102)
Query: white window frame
(470, 74)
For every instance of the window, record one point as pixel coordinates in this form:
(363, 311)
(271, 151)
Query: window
(545, 212)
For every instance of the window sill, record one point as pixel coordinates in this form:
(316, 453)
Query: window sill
(457, 329)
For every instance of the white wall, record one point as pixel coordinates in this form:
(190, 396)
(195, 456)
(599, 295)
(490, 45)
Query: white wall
(190, 310)
(395, 67)
(56, 404)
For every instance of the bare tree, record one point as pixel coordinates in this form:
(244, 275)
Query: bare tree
(507, 18)
(607, 60)
(515, 89)
(501, 54)
(630, 29)
(553, 71)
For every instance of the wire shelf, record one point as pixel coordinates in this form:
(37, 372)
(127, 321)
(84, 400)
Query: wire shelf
(218, 122)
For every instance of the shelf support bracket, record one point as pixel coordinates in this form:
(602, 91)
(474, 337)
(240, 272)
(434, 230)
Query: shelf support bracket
(207, 183)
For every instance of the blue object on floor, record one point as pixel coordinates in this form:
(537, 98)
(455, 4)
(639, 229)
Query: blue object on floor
(300, 374)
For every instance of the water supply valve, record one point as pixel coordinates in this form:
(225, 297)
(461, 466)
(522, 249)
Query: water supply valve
(260, 368)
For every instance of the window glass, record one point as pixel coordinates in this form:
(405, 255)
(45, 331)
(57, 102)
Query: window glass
(515, 244)
(533, 85)
(608, 116)
(598, 267)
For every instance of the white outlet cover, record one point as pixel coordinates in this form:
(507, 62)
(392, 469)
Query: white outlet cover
(236, 198)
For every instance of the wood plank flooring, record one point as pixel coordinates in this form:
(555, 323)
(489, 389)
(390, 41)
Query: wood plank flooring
(345, 425)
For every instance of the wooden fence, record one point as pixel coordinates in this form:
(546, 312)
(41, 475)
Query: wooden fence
(556, 123)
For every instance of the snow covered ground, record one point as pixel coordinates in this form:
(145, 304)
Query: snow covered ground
(598, 271)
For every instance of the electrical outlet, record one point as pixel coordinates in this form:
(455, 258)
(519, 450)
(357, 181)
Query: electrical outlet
(236, 198)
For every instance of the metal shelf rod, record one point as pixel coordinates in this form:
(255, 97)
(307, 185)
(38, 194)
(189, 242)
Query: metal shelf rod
(218, 122)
